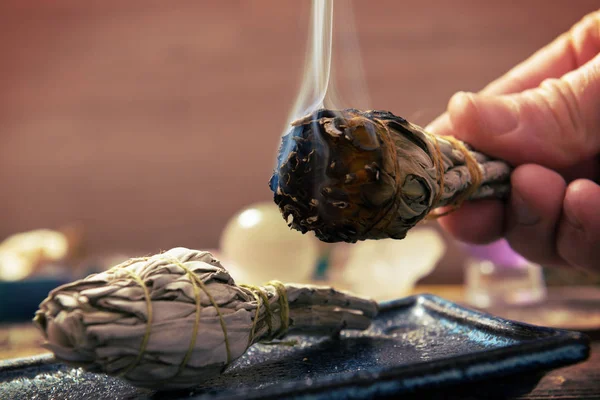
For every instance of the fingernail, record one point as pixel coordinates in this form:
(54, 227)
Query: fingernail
(495, 115)
(525, 215)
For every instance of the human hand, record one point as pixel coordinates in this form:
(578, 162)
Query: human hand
(543, 117)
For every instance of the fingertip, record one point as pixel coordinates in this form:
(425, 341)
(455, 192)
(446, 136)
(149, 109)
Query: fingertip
(579, 229)
(540, 187)
(581, 207)
(478, 222)
(463, 115)
(534, 211)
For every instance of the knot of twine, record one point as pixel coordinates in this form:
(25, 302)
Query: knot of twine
(263, 300)
(198, 284)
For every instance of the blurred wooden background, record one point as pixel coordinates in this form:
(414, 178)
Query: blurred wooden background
(152, 122)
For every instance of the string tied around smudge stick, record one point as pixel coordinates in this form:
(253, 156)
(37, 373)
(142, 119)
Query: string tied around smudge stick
(438, 162)
(198, 285)
(471, 163)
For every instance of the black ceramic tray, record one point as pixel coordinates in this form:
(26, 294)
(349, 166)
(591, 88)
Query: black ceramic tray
(415, 344)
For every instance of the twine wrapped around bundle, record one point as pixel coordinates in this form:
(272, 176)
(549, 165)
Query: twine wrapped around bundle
(174, 319)
(350, 175)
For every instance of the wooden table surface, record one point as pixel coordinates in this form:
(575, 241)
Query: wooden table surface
(581, 381)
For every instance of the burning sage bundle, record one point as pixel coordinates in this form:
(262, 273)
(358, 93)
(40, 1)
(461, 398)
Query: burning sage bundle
(174, 319)
(351, 175)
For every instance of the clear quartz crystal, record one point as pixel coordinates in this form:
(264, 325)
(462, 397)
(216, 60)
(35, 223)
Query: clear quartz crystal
(498, 277)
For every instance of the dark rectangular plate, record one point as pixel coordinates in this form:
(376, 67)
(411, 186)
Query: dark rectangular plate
(415, 344)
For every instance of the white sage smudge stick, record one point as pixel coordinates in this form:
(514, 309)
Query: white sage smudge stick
(174, 319)
(351, 175)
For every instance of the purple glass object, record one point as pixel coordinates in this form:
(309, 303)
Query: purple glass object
(499, 253)
(498, 277)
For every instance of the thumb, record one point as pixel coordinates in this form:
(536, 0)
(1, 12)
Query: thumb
(556, 124)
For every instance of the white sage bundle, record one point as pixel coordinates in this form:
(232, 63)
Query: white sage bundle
(172, 320)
